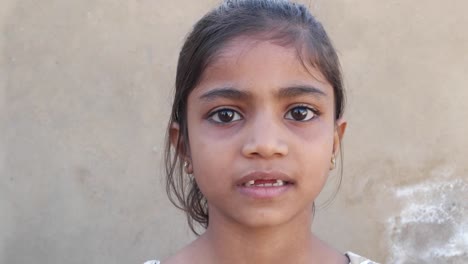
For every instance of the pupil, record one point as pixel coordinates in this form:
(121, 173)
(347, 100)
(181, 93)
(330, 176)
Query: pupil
(299, 113)
(226, 115)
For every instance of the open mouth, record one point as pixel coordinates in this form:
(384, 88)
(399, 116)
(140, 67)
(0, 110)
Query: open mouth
(266, 183)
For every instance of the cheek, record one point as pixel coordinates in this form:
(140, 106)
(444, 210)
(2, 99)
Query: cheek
(316, 139)
(314, 175)
(314, 150)
(209, 150)
(211, 144)
(212, 173)
(211, 160)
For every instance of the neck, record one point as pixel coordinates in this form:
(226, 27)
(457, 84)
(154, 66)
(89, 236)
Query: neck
(229, 242)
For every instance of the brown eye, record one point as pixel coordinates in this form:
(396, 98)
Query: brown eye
(300, 113)
(225, 116)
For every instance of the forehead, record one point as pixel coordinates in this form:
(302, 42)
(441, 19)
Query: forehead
(254, 59)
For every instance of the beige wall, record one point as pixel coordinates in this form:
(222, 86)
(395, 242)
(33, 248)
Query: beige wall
(85, 90)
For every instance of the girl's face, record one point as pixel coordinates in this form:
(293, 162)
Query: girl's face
(261, 134)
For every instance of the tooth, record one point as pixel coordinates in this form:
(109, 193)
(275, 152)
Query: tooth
(279, 183)
(268, 184)
(249, 183)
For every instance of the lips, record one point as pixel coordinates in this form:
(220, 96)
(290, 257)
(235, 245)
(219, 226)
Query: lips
(265, 185)
(265, 179)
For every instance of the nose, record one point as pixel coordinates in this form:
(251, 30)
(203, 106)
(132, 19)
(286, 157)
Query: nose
(265, 139)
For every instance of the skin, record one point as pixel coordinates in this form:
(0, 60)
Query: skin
(260, 84)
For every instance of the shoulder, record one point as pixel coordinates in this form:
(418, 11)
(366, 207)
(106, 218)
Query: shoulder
(152, 262)
(356, 259)
(180, 257)
(353, 258)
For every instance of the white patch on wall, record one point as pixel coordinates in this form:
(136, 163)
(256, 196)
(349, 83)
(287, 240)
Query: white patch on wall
(432, 226)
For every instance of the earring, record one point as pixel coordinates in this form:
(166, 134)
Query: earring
(187, 167)
(333, 162)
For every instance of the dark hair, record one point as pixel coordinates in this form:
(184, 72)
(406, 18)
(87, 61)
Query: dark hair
(286, 23)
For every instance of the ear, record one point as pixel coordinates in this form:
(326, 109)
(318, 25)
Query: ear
(174, 132)
(177, 140)
(340, 128)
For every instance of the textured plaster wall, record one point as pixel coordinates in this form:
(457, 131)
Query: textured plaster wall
(85, 90)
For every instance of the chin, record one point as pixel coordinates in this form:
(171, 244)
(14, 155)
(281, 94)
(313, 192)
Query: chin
(260, 219)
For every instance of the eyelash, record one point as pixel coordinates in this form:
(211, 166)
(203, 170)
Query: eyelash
(212, 115)
(237, 116)
(314, 111)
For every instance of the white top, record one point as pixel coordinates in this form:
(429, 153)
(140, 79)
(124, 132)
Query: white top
(354, 259)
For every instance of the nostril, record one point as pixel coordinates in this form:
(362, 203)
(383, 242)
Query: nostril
(265, 149)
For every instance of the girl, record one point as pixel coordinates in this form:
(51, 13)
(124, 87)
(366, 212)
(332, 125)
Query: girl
(256, 126)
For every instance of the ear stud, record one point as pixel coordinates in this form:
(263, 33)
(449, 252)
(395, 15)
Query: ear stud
(187, 167)
(333, 162)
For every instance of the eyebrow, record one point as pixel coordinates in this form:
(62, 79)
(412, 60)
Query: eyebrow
(299, 90)
(225, 92)
(287, 92)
